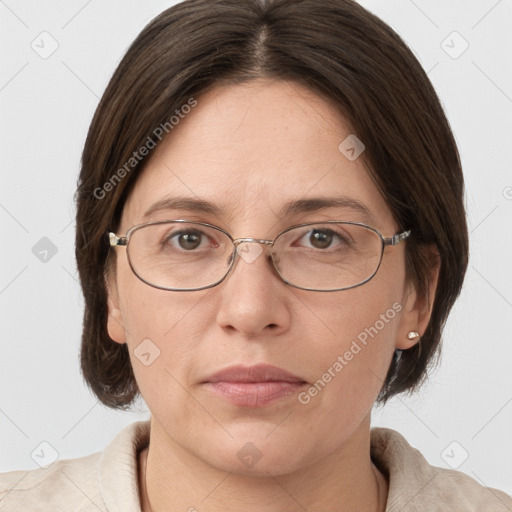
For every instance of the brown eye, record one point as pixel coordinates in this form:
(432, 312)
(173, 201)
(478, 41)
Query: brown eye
(324, 238)
(187, 240)
(321, 239)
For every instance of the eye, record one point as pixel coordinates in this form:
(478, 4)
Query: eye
(188, 240)
(323, 238)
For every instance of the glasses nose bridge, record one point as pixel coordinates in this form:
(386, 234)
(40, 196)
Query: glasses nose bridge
(236, 252)
(239, 241)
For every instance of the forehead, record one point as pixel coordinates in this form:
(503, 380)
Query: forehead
(251, 150)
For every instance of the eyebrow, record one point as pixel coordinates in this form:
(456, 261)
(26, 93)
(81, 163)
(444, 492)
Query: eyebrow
(294, 207)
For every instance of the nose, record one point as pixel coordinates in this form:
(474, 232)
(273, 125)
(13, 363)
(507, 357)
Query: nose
(253, 295)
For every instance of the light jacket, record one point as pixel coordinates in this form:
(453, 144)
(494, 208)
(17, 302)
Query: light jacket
(107, 481)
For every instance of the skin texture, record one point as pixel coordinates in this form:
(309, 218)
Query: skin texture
(250, 148)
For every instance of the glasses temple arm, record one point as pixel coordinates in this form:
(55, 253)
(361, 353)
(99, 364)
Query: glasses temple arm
(396, 239)
(116, 240)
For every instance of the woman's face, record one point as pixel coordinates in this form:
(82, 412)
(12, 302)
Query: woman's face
(250, 149)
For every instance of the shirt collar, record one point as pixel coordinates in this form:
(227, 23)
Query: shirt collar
(118, 468)
(407, 471)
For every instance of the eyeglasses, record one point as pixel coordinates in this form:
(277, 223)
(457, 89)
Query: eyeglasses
(180, 255)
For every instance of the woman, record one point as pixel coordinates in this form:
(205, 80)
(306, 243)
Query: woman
(270, 236)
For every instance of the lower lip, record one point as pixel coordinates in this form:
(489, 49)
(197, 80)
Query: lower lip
(254, 394)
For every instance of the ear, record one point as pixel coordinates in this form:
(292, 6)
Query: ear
(115, 327)
(417, 307)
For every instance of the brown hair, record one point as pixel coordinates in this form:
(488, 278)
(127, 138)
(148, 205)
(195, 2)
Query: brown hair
(335, 48)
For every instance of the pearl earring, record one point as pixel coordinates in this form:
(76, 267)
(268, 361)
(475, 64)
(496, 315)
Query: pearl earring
(413, 335)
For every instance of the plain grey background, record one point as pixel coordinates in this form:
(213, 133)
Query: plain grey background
(57, 58)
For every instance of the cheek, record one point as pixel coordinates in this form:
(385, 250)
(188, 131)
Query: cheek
(352, 359)
(150, 312)
(163, 329)
(357, 353)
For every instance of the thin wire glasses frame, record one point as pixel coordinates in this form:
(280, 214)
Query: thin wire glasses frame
(116, 240)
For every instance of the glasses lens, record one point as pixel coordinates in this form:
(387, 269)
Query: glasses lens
(188, 255)
(179, 255)
(328, 256)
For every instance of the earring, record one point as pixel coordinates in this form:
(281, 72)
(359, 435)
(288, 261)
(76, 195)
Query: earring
(411, 335)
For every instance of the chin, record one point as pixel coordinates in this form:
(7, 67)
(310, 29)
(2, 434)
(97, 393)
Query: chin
(252, 451)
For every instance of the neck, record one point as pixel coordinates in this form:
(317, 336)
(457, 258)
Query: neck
(170, 478)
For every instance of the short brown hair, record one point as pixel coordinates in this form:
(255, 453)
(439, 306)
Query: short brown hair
(337, 49)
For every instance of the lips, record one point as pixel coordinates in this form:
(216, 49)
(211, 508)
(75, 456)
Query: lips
(256, 373)
(254, 386)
